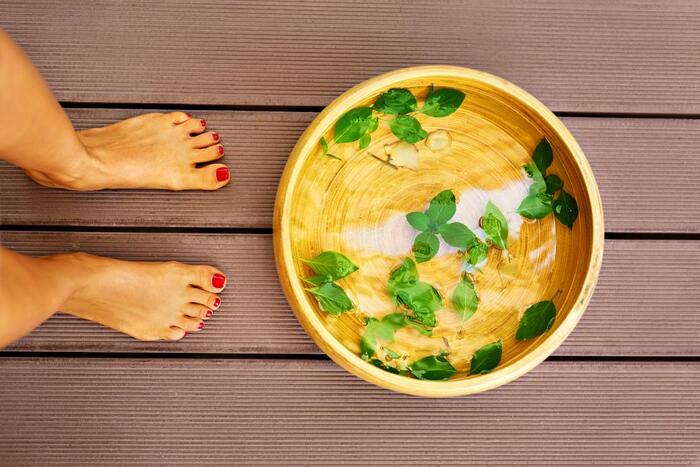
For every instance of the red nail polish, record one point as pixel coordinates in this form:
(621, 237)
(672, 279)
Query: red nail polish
(218, 280)
(189, 115)
(200, 326)
(209, 313)
(220, 150)
(215, 136)
(217, 302)
(203, 122)
(222, 174)
(184, 334)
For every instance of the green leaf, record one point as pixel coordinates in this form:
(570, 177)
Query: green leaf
(390, 353)
(396, 101)
(477, 252)
(383, 329)
(333, 264)
(535, 206)
(542, 155)
(465, 299)
(442, 207)
(425, 246)
(457, 234)
(380, 364)
(352, 125)
(318, 280)
(434, 368)
(418, 220)
(486, 358)
(324, 145)
(566, 209)
(405, 275)
(365, 140)
(538, 183)
(332, 298)
(553, 183)
(495, 225)
(423, 299)
(373, 125)
(537, 320)
(442, 102)
(407, 128)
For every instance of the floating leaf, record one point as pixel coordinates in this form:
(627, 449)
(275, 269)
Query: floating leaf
(383, 329)
(423, 299)
(435, 368)
(542, 155)
(554, 184)
(495, 225)
(486, 358)
(407, 128)
(442, 207)
(332, 298)
(333, 264)
(418, 220)
(566, 209)
(442, 102)
(425, 246)
(457, 234)
(537, 320)
(465, 299)
(395, 101)
(352, 125)
(535, 206)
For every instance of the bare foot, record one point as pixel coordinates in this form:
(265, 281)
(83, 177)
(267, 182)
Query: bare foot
(148, 301)
(148, 151)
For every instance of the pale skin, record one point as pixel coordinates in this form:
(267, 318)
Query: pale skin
(146, 300)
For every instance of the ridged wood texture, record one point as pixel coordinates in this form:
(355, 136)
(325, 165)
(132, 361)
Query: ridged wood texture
(645, 304)
(637, 56)
(245, 412)
(648, 171)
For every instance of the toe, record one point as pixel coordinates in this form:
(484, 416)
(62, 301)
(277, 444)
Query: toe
(178, 117)
(202, 297)
(189, 324)
(173, 333)
(211, 153)
(210, 177)
(197, 311)
(205, 139)
(208, 278)
(193, 126)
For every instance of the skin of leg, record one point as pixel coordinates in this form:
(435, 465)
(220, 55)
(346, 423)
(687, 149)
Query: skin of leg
(146, 300)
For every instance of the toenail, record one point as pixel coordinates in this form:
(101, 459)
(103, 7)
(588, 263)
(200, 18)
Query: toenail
(215, 136)
(203, 122)
(217, 302)
(220, 150)
(222, 174)
(218, 280)
(189, 115)
(200, 325)
(209, 313)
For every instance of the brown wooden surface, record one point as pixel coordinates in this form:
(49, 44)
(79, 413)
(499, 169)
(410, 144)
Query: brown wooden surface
(648, 171)
(635, 56)
(313, 413)
(646, 301)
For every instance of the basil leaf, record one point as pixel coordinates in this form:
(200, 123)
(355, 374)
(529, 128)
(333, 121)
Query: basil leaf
(538, 183)
(333, 264)
(457, 234)
(405, 275)
(318, 280)
(418, 220)
(332, 298)
(486, 358)
(542, 155)
(352, 125)
(365, 140)
(324, 145)
(495, 225)
(422, 299)
(434, 368)
(535, 206)
(537, 320)
(379, 364)
(390, 353)
(407, 128)
(465, 299)
(425, 246)
(477, 252)
(380, 329)
(396, 101)
(373, 125)
(442, 207)
(442, 102)
(553, 183)
(566, 209)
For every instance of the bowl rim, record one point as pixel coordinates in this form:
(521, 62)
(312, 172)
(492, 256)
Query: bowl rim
(306, 313)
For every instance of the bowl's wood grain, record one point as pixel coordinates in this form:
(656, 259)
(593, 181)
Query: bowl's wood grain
(357, 206)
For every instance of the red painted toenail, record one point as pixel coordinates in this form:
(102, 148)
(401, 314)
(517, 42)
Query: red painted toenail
(184, 334)
(218, 280)
(215, 136)
(220, 150)
(209, 313)
(189, 115)
(200, 326)
(203, 122)
(222, 174)
(217, 302)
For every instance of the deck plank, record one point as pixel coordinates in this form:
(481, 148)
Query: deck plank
(644, 168)
(575, 55)
(242, 412)
(645, 303)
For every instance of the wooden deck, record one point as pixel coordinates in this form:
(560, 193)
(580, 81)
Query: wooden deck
(252, 388)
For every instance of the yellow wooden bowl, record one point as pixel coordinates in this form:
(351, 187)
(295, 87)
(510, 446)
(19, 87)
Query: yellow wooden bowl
(357, 206)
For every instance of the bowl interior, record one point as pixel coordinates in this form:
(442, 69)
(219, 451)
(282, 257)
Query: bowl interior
(357, 206)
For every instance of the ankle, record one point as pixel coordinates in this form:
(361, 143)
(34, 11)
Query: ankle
(74, 169)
